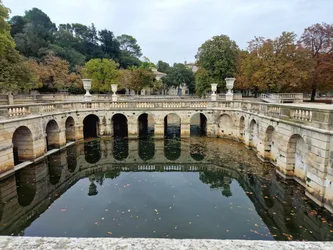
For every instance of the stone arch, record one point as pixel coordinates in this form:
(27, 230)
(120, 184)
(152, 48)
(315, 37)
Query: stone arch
(297, 157)
(22, 145)
(70, 129)
(172, 125)
(91, 126)
(269, 143)
(120, 125)
(198, 125)
(225, 126)
(52, 135)
(242, 128)
(146, 124)
(92, 151)
(253, 133)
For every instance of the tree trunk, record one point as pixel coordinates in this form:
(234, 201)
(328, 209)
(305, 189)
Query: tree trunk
(313, 94)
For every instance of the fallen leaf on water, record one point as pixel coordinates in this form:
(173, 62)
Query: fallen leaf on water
(110, 233)
(63, 210)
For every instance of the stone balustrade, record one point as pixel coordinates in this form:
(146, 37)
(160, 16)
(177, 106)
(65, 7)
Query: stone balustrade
(282, 97)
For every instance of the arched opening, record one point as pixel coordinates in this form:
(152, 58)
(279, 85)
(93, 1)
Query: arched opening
(92, 151)
(225, 126)
(146, 125)
(254, 133)
(56, 165)
(26, 185)
(296, 157)
(91, 126)
(52, 135)
(269, 143)
(172, 149)
(146, 149)
(242, 128)
(120, 148)
(120, 127)
(172, 126)
(71, 159)
(22, 145)
(70, 129)
(198, 125)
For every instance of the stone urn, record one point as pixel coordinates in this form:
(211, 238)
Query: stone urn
(230, 85)
(87, 87)
(114, 88)
(214, 88)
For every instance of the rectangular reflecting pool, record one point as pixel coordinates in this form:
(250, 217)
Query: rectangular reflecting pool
(199, 188)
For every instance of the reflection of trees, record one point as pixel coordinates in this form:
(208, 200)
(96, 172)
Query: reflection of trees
(217, 180)
(100, 177)
(197, 151)
(146, 149)
(120, 148)
(92, 151)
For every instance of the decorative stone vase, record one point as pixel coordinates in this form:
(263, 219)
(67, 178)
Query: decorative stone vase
(230, 85)
(214, 88)
(114, 88)
(87, 87)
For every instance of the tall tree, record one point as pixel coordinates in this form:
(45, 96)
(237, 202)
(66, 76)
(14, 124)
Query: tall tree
(103, 73)
(6, 40)
(163, 67)
(275, 65)
(218, 56)
(318, 38)
(109, 44)
(202, 82)
(129, 44)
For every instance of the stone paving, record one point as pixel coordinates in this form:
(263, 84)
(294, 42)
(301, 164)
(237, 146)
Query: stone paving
(28, 243)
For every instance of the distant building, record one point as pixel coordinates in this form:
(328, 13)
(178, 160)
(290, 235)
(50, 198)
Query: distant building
(192, 66)
(158, 75)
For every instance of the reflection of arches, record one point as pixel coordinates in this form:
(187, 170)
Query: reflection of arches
(70, 129)
(146, 149)
(146, 125)
(225, 125)
(254, 132)
(242, 127)
(198, 125)
(71, 159)
(268, 143)
(22, 145)
(26, 185)
(120, 149)
(172, 126)
(91, 126)
(120, 127)
(52, 135)
(197, 151)
(92, 151)
(172, 149)
(56, 165)
(296, 156)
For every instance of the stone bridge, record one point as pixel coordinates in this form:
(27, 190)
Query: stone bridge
(296, 138)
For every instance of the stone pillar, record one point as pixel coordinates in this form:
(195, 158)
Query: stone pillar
(185, 127)
(87, 87)
(133, 130)
(105, 127)
(114, 88)
(39, 145)
(214, 88)
(159, 129)
(62, 137)
(230, 85)
(261, 146)
(10, 99)
(79, 135)
(6, 159)
(211, 129)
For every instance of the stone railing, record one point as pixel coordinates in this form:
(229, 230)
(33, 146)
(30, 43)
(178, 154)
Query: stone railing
(282, 97)
(316, 116)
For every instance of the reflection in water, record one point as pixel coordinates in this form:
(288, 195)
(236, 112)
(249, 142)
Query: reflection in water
(120, 148)
(71, 159)
(238, 200)
(92, 151)
(172, 149)
(146, 149)
(197, 150)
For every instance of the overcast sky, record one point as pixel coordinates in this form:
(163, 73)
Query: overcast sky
(173, 30)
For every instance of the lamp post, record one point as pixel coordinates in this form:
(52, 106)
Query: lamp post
(87, 87)
(114, 88)
(230, 85)
(214, 88)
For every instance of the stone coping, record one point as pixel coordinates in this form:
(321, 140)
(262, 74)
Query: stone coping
(39, 243)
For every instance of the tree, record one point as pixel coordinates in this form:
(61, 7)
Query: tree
(202, 82)
(218, 56)
(275, 65)
(318, 38)
(178, 75)
(129, 44)
(109, 44)
(6, 41)
(52, 73)
(163, 67)
(136, 78)
(103, 73)
(127, 60)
